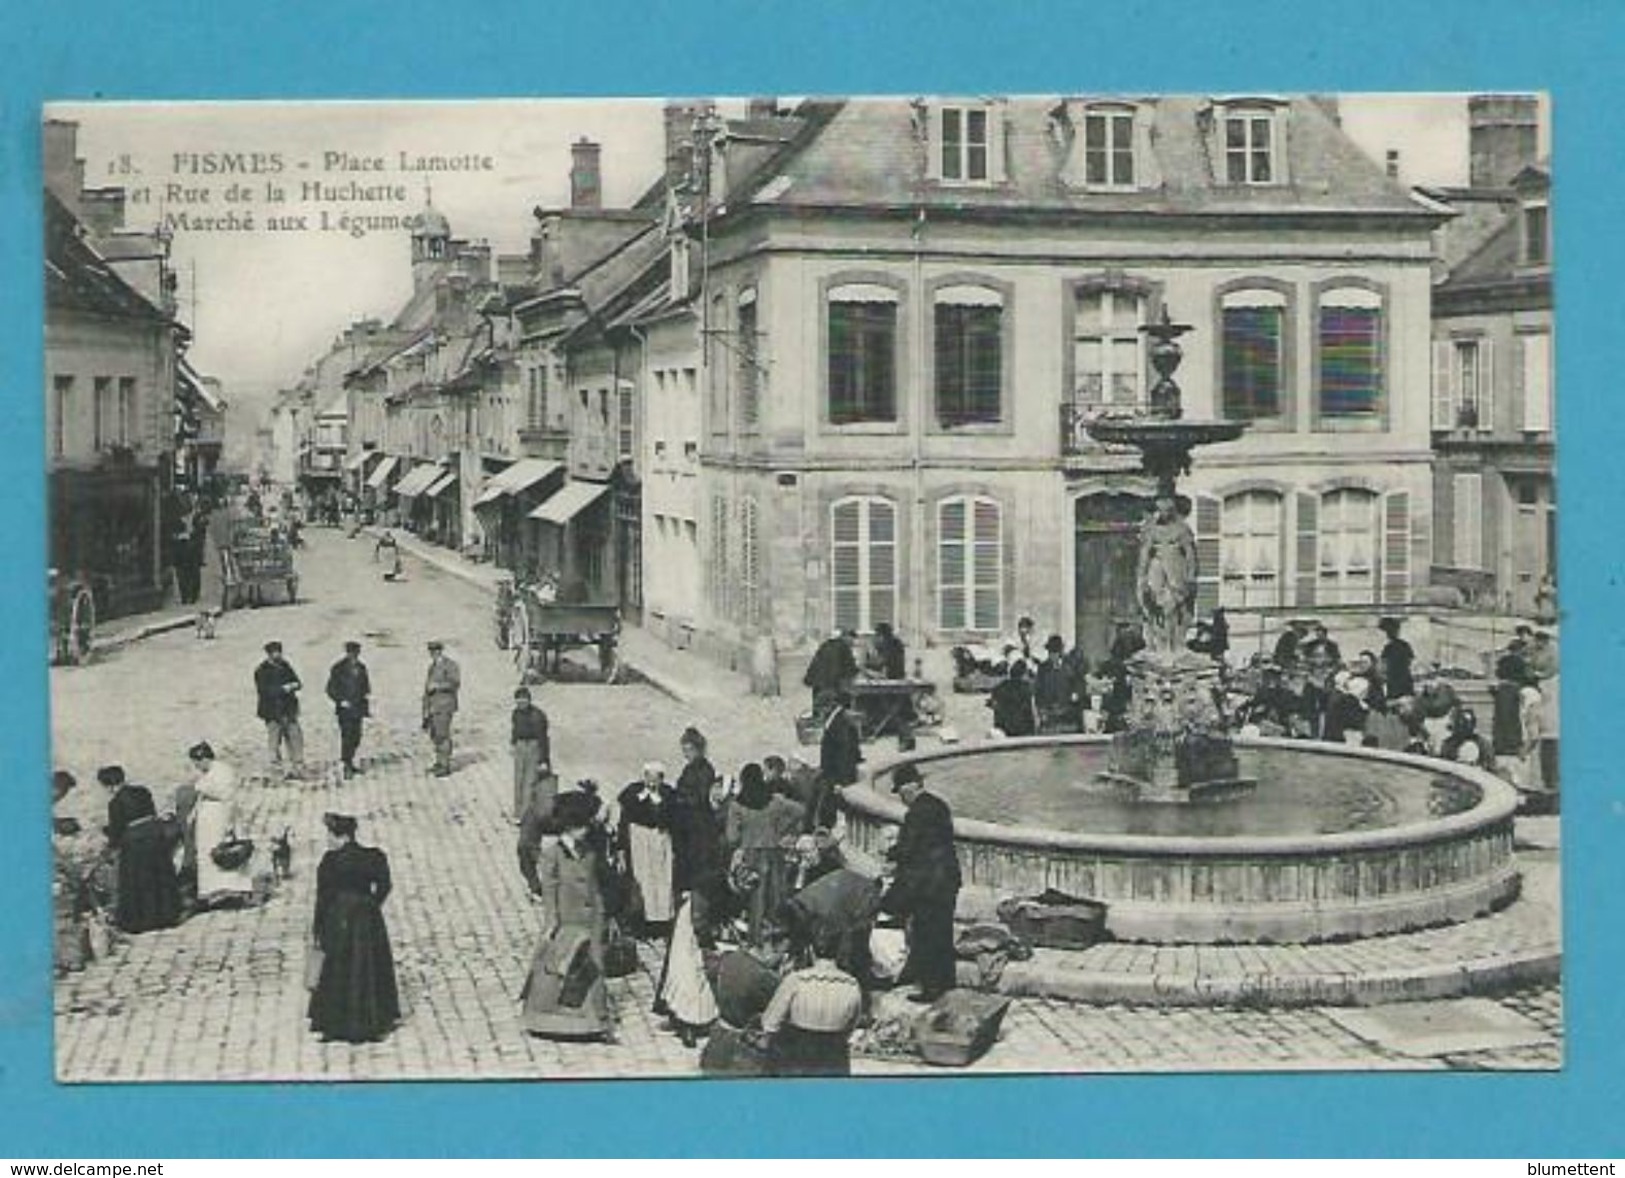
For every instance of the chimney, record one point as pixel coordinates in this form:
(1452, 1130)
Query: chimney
(103, 210)
(1392, 164)
(586, 180)
(64, 170)
(1503, 137)
(762, 108)
(680, 120)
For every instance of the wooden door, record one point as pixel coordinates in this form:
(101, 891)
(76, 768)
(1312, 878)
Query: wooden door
(1107, 547)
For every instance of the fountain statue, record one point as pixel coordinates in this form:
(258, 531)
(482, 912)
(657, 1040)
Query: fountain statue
(1175, 747)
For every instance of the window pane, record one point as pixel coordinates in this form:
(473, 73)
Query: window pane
(1125, 386)
(1123, 166)
(1094, 132)
(976, 145)
(951, 145)
(1122, 132)
(1235, 134)
(1349, 361)
(1252, 362)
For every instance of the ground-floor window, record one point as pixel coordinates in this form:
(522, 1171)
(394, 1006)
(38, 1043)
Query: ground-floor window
(1250, 547)
(970, 564)
(863, 562)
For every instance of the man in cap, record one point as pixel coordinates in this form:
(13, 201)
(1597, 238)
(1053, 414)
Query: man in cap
(440, 690)
(277, 685)
(925, 886)
(350, 689)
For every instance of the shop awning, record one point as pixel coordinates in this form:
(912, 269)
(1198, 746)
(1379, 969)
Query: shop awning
(417, 480)
(525, 473)
(381, 474)
(360, 460)
(441, 485)
(569, 501)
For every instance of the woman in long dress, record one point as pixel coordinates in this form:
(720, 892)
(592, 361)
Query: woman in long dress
(564, 996)
(758, 824)
(149, 894)
(696, 836)
(214, 817)
(356, 997)
(643, 833)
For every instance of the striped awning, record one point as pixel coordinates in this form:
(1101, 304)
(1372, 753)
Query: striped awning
(441, 485)
(381, 475)
(527, 472)
(417, 480)
(569, 501)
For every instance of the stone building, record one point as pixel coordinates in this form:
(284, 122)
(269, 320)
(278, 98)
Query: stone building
(113, 347)
(1495, 506)
(911, 309)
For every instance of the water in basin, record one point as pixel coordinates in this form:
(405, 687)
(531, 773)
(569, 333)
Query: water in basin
(1052, 787)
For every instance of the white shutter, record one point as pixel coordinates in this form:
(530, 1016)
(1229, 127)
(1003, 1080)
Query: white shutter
(1537, 382)
(1444, 404)
(882, 562)
(932, 113)
(846, 563)
(951, 564)
(1395, 588)
(1486, 385)
(987, 566)
(1209, 513)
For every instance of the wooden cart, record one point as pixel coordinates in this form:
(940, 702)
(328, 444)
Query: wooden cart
(539, 632)
(73, 619)
(255, 558)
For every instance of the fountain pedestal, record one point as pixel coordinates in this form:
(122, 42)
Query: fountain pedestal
(1175, 748)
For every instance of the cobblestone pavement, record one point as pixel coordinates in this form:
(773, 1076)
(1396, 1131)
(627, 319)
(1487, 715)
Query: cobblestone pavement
(220, 998)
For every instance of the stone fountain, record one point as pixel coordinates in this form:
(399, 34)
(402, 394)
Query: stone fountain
(1175, 747)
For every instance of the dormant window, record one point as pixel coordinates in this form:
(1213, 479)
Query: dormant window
(965, 143)
(1108, 147)
(969, 353)
(1250, 143)
(862, 354)
(1536, 235)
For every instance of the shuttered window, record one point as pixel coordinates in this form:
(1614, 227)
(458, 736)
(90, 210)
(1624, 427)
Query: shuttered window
(863, 562)
(970, 564)
(1350, 326)
(1396, 547)
(721, 574)
(1253, 354)
(1347, 546)
(969, 352)
(1467, 524)
(750, 384)
(862, 355)
(1251, 550)
(1536, 370)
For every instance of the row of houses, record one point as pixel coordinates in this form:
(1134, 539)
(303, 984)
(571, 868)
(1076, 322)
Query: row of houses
(131, 429)
(834, 368)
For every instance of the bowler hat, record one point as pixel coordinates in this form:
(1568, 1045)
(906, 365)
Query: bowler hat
(905, 775)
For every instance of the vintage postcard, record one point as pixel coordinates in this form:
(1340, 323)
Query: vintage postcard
(775, 587)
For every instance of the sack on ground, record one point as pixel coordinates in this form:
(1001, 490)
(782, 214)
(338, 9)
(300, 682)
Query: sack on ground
(314, 958)
(888, 952)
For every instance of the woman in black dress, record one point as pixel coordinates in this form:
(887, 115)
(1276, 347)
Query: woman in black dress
(355, 998)
(149, 895)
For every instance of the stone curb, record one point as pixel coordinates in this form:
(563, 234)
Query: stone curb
(658, 680)
(1379, 987)
(129, 637)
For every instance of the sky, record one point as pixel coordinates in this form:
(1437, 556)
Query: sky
(264, 304)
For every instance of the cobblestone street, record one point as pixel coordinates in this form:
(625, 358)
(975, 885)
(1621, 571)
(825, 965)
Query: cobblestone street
(221, 997)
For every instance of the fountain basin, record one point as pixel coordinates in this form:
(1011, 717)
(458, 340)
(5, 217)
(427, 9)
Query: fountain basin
(1335, 842)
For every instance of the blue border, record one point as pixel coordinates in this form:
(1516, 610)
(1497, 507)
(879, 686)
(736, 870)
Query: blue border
(296, 48)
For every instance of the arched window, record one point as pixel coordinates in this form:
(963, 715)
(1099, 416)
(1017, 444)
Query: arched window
(862, 354)
(1253, 366)
(1250, 547)
(1348, 547)
(969, 353)
(863, 562)
(970, 564)
(1350, 338)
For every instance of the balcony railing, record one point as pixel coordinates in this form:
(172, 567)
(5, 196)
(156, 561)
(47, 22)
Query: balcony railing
(1076, 416)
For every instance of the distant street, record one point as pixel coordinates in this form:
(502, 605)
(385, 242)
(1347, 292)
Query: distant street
(221, 997)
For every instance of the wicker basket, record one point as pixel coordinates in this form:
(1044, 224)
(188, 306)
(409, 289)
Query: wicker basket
(959, 1028)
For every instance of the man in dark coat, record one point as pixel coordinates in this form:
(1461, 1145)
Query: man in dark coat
(350, 690)
(926, 885)
(833, 666)
(1397, 657)
(1012, 703)
(840, 752)
(1055, 690)
(277, 685)
(890, 655)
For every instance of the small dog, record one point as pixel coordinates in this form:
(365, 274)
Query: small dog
(205, 623)
(282, 854)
